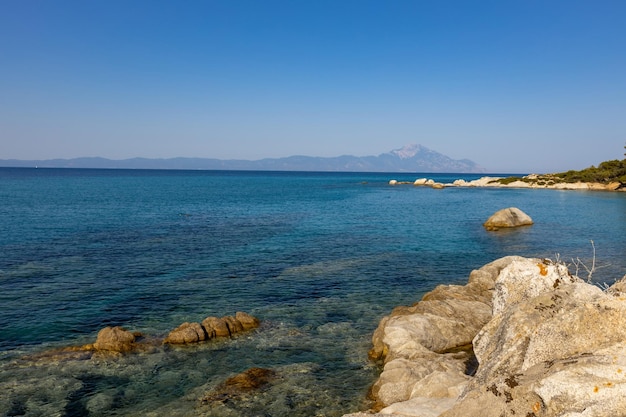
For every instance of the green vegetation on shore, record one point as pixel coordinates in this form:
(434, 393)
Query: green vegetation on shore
(606, 173)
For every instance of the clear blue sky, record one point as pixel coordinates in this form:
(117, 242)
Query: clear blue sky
(516, 86)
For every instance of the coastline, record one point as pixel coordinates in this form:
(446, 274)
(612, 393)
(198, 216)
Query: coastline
(523, 337)
(339, 259)
(533, 181)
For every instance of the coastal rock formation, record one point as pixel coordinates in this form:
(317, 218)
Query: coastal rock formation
(216, 327)
(528, 181)
(245, 382)
(247, 321)
(554, 346)
(114, 339)
(212, 327)
(538, 181)
(284, 390)
(427, 347)
(119, 340)
(508, 217)
(186, 333)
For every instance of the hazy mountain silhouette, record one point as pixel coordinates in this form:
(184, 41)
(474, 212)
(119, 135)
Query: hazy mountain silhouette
(411, 158)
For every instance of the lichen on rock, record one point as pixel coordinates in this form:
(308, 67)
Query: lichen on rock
(552, 345)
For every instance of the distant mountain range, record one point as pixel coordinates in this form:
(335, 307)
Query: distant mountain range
(411, 158)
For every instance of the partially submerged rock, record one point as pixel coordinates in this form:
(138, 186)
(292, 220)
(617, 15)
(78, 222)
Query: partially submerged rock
(212, 327)
(247, 321)
(506, 218)
(114, 339)
(248, 381)
(186, 333)
(216, 327)
(118, 339)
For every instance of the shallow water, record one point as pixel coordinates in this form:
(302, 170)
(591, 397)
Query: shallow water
(318, 257)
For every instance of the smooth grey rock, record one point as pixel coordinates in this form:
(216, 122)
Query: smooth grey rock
(424, 343)
(560, 351)
(506, 218)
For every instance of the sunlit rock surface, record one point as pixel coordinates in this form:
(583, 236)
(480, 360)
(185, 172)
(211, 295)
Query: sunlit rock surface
(507, 218)
(555, 345)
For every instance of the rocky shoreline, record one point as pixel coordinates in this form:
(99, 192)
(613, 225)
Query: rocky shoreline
(114, 341)
(530, 181)
(522, 337)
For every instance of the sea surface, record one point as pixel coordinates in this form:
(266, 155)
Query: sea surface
(319, 258)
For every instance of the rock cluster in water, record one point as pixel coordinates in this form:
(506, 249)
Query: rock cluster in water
(119, 340)
(211, 327)
(524, 337)
(528, 181)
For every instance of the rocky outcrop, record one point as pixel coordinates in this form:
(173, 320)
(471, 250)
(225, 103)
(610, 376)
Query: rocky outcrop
(420, 182)
(120, 340)
(528, 181)
(211, 327)
(114, 339)
(187, 333)
(427, 347)
(558, 351)
(507, 218)
(554, 346)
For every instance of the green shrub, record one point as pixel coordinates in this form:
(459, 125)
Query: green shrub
(508, 180)
(606, 172)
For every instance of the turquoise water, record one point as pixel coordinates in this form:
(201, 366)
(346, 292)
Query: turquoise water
(318, 257)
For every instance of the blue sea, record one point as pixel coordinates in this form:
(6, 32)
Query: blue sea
(319, 258)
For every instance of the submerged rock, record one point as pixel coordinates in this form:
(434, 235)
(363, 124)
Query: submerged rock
(245, 382)
(506, 218)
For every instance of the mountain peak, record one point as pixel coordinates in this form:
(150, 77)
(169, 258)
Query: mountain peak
(409, 151)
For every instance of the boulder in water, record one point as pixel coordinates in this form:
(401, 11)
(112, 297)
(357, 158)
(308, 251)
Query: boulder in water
(506, 218)
(114, 339)
(216, 327)
(186, 333)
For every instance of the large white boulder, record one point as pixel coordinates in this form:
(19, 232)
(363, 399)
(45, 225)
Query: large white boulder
(555, 346)
(426, 348)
